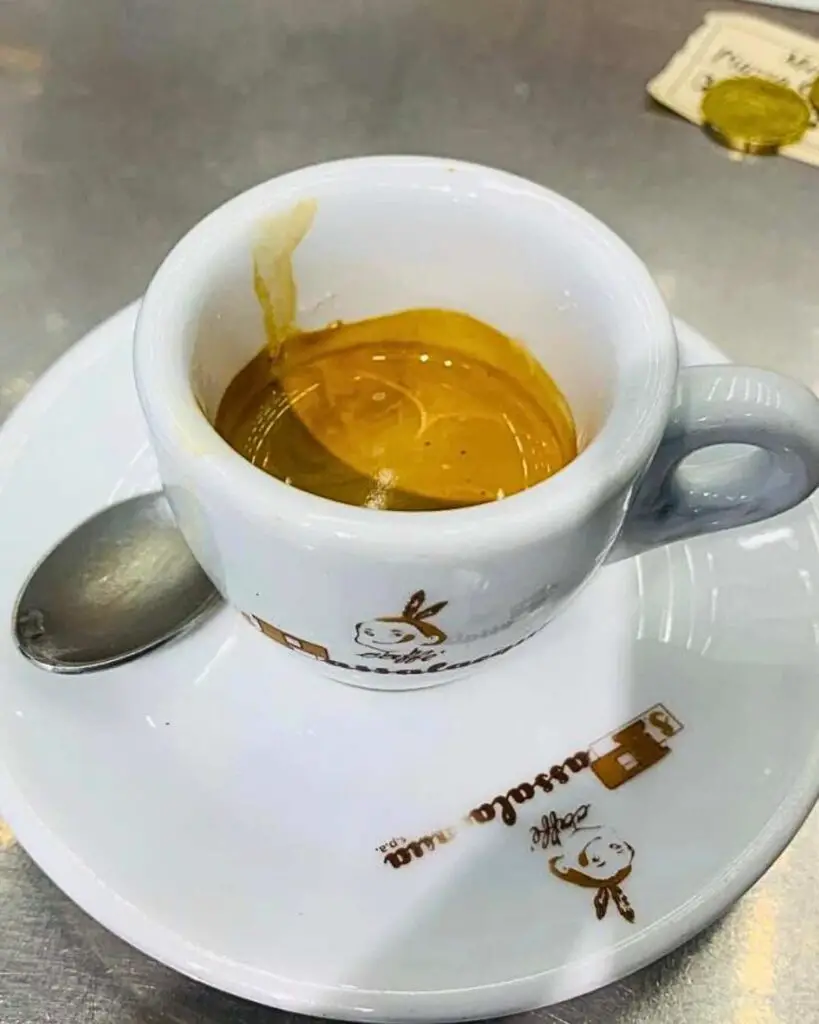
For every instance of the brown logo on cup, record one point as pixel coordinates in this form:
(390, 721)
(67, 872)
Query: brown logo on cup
(405, 644)
(288, 640)
(405, 637)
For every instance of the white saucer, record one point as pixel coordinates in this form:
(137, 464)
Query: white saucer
(229, 813)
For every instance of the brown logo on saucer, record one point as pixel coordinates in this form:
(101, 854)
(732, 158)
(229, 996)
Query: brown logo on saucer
(588, 856)
(634, 747)
(614, 760)
(404, 851)
(405, 637)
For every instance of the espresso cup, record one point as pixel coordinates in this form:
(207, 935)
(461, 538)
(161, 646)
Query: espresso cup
(394, 600)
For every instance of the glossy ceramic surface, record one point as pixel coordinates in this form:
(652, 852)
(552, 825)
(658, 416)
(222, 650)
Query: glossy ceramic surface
(242, 820)
(397, 600)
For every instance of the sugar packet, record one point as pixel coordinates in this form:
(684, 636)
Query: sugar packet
(727, 45)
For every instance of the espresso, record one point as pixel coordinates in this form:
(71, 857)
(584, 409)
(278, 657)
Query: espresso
(415, 411)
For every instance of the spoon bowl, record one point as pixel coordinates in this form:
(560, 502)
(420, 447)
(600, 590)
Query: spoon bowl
(120, 584)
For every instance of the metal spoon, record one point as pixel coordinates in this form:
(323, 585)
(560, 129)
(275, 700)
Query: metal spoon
(120, 584)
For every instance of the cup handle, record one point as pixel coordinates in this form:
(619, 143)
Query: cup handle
(717, 405)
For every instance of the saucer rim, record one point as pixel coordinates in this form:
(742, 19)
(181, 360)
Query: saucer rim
(77, 879)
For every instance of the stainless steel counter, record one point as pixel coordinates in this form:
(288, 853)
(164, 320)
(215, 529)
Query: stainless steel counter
(123, 121)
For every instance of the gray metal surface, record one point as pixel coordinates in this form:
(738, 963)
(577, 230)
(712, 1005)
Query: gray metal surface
(116, 586)
(123, 121)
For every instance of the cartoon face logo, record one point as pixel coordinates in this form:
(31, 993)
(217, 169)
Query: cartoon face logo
(408, 630)
(595, 857)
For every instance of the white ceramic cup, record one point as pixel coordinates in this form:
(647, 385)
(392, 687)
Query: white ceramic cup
(394, 600)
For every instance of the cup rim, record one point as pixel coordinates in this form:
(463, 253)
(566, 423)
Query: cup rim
(614, 457)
